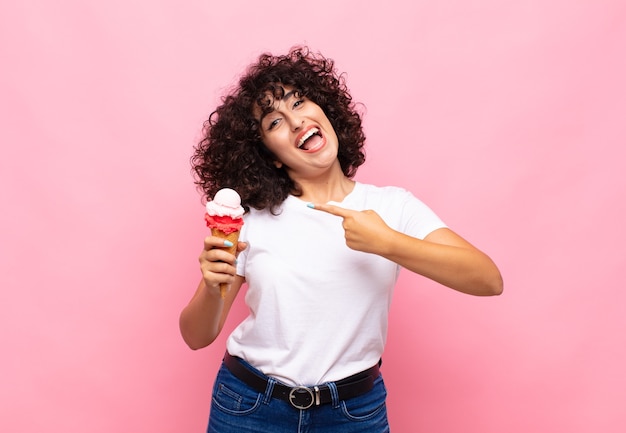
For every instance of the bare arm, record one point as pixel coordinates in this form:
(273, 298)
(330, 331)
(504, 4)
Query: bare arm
(202, 320)
(447, 258)
(442, 256)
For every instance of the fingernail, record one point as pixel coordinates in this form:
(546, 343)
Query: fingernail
(228, 243)
(311, 205)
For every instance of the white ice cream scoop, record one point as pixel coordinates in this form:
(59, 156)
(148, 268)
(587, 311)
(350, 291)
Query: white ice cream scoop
(226, 202)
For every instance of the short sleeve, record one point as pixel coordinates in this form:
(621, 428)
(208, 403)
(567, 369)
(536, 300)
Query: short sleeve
(416, 218)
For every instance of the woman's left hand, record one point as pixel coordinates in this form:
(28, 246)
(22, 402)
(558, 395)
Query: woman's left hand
(364, 230)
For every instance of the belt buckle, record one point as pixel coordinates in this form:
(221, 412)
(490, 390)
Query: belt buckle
(299, 391)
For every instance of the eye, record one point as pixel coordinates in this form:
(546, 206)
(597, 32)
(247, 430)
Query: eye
(272, 124)
(298, 103)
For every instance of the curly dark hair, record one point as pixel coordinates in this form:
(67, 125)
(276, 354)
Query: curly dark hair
(231, 153)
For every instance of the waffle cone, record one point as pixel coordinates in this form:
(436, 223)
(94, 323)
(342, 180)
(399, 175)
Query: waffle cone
(234, 238)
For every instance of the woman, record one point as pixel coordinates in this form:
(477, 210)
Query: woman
(320, 256)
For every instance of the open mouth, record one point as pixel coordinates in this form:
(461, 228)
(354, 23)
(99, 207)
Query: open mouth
(310, 140)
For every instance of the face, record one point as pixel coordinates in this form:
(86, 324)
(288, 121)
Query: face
(300, 136)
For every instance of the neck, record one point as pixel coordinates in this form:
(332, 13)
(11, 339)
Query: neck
(323, 184)
(323, 190)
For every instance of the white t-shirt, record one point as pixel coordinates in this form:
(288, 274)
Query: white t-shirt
(318, 309)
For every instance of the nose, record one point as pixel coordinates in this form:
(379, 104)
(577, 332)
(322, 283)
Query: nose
(295, 122)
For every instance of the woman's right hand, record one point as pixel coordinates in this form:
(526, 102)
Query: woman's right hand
(202, 320)
(216, 263)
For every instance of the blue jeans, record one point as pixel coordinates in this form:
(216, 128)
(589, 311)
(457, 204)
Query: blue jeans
(237, 408)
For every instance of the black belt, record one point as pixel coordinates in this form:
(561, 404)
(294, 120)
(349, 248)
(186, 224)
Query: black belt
(304, 397)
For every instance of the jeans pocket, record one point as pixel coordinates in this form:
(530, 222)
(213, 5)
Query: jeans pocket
(368, 405)
(232, 396)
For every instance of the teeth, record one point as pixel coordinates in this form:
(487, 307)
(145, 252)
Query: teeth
(308, 135)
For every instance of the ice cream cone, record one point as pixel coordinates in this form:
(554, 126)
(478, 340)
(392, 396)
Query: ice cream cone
(232, 237)
(224, 217)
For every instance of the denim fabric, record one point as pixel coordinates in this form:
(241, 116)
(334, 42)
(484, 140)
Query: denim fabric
(237, 408)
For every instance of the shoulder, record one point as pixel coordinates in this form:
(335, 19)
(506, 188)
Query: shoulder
(400, 209)
(256, 214)
(385, 194)
(286, 210)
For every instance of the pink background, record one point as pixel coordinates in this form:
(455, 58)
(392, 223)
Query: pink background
(508, 118)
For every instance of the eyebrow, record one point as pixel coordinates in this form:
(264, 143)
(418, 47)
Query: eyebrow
(289, 94)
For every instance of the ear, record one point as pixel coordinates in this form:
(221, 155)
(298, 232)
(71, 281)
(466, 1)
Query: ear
(278, 164)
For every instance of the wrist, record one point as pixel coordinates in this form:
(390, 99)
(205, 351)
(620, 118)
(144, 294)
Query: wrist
(212, 290)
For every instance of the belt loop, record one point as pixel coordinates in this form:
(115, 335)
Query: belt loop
(334, 394)
(268, 391)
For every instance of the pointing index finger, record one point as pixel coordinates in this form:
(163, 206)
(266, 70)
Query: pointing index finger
(331, 209)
